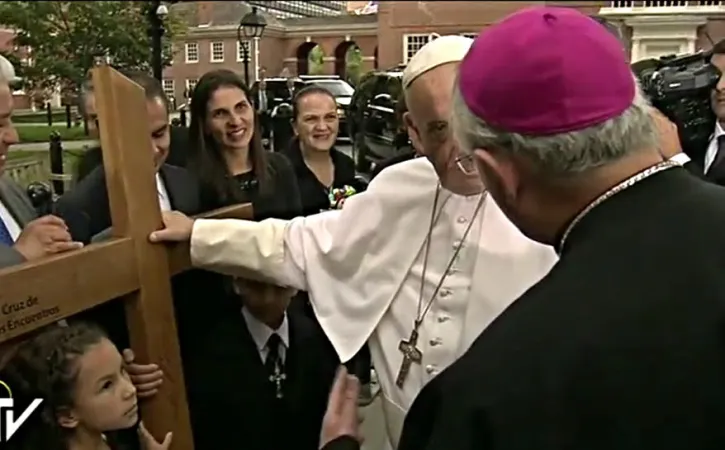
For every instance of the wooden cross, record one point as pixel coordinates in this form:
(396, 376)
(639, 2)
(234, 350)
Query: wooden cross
(39, 293)
(411, 355)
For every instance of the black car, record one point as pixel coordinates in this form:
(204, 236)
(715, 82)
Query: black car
(375, 119)
(341, 90)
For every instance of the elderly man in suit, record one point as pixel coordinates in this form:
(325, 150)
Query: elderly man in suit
(23, 236)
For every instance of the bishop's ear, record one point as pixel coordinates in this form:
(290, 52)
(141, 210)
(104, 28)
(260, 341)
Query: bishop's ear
(67, 419)
(498, 172)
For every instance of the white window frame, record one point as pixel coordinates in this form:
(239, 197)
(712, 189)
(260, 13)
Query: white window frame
(187, 47)
(211, 52)
(170, 91)
(406, 43)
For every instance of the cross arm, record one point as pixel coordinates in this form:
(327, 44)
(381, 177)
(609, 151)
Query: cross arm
(37, 293)
(180, 255)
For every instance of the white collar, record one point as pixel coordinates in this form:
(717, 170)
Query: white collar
(161, 188)
(261, 332)
(680, 158)
(718, 131)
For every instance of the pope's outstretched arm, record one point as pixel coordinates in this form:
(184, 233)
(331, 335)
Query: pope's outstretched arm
(335, 256)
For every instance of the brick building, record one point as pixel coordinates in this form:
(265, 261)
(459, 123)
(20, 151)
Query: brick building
(649, 28)
(211, 42)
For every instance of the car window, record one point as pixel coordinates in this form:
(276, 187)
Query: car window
(394, 87)
(338, 88)
(278, 89)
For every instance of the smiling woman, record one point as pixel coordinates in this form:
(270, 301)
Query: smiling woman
(320, 168)
(227, 153)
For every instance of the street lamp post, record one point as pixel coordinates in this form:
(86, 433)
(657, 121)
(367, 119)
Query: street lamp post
(250, 27)
(157, 13)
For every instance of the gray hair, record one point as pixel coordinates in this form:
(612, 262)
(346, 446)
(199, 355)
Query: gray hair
(562, 154)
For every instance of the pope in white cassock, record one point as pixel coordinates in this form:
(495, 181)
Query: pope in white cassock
(418, 265)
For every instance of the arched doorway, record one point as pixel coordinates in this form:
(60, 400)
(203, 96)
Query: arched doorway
(303, 57)
(342, 52)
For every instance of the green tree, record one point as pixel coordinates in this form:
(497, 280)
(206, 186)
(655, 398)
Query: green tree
(316, 61)
(353, 65)
(66, 39)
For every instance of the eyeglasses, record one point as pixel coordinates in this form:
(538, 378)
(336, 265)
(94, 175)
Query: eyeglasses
(466, 164)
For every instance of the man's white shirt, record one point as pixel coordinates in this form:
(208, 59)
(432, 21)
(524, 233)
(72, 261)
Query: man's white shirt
(712, 148)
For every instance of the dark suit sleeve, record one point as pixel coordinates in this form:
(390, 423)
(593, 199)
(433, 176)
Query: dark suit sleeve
(10, 257)
(91, 159)
(17, 201)
(85, 208)
(342, 443)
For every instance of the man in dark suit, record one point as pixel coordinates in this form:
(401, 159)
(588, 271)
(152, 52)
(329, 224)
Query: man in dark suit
(178, 154)
(23, 236)
(93, 157)
(259, 379)
(260, 100)
(177, 189)
(711, 162)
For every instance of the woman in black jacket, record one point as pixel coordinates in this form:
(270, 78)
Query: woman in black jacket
(227, 155)
(321, 169)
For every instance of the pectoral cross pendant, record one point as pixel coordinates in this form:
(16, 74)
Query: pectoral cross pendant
(411, 355)
(277, 379)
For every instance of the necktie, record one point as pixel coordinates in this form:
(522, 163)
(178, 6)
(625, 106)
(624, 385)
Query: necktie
(273, 364)
(716, 172)
(5, 237)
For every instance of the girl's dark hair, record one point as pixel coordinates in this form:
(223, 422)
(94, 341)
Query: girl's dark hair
(304, 92)
(45, 366)
(206, 157)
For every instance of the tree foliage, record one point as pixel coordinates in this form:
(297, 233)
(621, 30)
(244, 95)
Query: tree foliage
(316, 59)
(66, 39)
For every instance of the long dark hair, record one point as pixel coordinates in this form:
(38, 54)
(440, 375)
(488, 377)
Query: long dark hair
(206, 158)
(46, 366)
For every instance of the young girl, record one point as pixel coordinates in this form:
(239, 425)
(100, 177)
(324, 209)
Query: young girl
(86, 392)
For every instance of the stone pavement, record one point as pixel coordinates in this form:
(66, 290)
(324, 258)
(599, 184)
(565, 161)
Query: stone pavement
(373, 426)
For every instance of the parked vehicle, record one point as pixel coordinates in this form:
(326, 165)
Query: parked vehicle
(341, 90)
(375, 121)
(277, 90)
